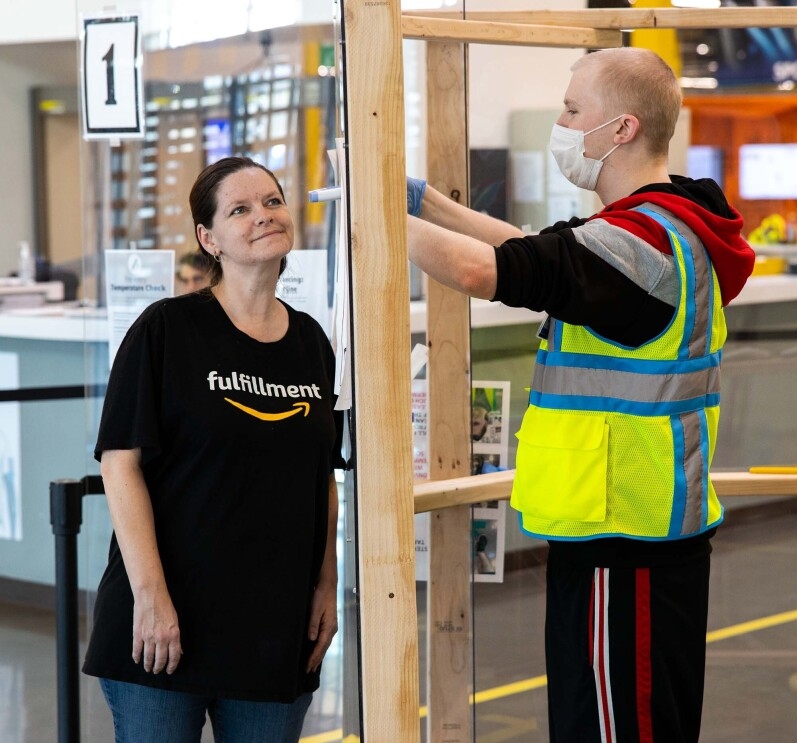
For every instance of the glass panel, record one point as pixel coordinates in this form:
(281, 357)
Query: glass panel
(207, 94)
(509, 126)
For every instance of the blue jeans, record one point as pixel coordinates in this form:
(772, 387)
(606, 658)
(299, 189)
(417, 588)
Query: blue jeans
(145, 715)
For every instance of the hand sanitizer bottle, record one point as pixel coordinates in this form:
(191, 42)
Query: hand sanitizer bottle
(27, 265)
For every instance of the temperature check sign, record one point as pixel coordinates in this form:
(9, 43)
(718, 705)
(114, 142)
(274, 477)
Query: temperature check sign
(112, 90)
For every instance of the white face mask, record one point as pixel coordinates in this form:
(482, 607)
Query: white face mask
(567, 148)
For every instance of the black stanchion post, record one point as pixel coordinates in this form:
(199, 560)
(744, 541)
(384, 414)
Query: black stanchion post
(66, 515)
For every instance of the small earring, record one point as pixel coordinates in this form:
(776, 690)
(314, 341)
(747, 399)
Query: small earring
(217, 257)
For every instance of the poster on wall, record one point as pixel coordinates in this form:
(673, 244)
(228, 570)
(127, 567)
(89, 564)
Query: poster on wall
(134, 279)
(303, 285)
(112, 89)
(10, 485)
(420, 466)
(490, 434)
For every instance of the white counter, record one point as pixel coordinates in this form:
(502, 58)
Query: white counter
(69, 323)
(55, 323)
(766, 289)
(17, 293)
(758, 290)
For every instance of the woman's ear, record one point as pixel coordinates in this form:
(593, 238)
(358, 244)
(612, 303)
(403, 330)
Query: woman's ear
(205, 237)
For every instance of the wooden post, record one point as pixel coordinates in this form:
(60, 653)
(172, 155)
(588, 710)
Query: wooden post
(449, 616)
(374, 131)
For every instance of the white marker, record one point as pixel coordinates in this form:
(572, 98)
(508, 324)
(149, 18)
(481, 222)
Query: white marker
(324, 194)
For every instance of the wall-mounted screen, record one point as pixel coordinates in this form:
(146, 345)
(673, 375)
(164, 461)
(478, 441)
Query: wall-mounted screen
(704, 161)
(768, 171)
(217, 140)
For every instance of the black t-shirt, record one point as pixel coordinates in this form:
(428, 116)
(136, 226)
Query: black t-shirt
(238, 440)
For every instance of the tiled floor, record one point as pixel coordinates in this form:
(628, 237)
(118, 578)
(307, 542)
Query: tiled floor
(751, 693)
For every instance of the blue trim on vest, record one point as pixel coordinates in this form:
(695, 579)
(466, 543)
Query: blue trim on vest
(689, 273)
(679, 481)
(704, 454)
(613, 534)
(635, 366)
(617, 405)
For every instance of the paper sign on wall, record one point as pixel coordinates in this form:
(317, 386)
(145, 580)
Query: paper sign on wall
(134, 279)
(303, 285)
(112, 85)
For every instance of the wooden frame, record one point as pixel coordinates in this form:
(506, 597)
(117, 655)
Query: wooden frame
(373, 81)
(374, 128)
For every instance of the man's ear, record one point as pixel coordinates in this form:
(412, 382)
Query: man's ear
(627, 130)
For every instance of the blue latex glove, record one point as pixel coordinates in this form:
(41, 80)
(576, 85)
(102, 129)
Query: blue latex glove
(416, 188)
(489, 467)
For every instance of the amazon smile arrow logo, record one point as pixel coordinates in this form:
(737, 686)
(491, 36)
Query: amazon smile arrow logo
(298, 407)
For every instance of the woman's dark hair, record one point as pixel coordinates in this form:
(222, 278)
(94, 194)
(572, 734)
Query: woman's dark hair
(204, 203)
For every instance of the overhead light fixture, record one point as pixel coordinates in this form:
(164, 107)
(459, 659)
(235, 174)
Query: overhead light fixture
(704, 83)
(696, 3)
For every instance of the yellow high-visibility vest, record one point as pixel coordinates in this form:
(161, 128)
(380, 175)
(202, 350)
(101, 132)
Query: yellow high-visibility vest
(618, 441)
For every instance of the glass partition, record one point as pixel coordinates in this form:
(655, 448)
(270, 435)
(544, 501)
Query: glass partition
(514, 97)
(212, 85)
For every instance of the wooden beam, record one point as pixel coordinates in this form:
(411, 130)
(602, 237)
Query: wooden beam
(631, 19)
(517, 34)
(374, 127)
(498, 486)
(430, 496)
(449, 616)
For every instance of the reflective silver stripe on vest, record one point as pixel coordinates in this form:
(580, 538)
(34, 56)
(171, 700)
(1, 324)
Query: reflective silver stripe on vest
(697, 343)
(694, 470)
(625, 385)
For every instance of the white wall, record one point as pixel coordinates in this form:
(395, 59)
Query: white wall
(509, 78)
(506, 79)
(25, 21)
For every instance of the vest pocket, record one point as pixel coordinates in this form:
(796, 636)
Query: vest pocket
(561, 466)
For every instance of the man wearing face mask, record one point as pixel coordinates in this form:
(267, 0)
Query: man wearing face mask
(615, 446)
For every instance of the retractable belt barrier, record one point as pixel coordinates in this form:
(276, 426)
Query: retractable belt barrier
(66, 516)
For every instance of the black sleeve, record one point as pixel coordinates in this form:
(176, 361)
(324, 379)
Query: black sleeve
(552, 272)
(130, 417)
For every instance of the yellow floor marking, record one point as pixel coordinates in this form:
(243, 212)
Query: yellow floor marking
(519, 687)
(752, 626)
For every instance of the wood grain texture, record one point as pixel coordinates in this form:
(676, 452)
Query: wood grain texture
(630, 18)
(374, 129)
(449, 616)
(517, 34)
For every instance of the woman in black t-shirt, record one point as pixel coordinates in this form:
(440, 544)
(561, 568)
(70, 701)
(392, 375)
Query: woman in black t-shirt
(217, 444)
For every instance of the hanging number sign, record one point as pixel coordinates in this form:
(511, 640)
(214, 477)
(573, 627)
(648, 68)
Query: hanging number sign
(111, 68)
